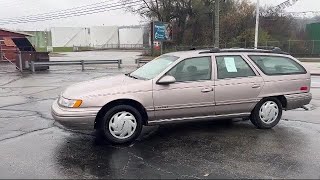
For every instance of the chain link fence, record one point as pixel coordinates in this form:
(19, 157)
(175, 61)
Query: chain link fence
(302, 48)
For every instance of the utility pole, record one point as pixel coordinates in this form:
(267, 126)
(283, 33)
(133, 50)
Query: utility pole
(217, 23)
(212, 24)
(257, 26)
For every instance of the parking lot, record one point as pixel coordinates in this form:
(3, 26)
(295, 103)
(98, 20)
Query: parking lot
(32, 145)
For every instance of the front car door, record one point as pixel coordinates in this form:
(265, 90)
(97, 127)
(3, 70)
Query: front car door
(238, 85)
(192, 95)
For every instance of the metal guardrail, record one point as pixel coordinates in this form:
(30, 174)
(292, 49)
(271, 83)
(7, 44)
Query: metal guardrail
(142, 61)
(34, 64)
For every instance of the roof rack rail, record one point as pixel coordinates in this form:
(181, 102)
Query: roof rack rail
(275, 50)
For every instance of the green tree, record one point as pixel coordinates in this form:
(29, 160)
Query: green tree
(247, 37)
(237, 17)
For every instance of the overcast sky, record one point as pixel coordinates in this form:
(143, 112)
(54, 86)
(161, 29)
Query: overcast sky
(17, 8)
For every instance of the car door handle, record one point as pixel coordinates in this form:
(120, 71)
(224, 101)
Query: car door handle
(205, 90)
(256, 86)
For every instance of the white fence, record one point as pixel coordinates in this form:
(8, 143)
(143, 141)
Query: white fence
(131, 36)
(70, 36)
(96, 37)
(100, 36)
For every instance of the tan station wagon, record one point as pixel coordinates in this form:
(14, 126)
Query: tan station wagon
(188, 86)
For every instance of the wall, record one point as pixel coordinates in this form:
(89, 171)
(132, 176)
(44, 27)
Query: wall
(102, 36)
(313, 31)
(131, 36)
(40, 39)
(70, 36)
(65, 38)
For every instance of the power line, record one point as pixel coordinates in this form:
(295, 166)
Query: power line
(283, 5)
(54, 15)
(8, 3)
(54, 12)
(304, 12)
(58, 13)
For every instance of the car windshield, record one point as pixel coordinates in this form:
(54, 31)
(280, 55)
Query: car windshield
(154, 67)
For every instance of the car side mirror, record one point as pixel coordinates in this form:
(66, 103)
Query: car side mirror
(166, 80)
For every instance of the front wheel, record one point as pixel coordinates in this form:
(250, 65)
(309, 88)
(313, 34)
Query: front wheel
(267, 113)
(122, 124)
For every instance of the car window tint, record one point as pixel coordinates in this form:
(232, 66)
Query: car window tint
(193, 69)
(276, 65)
(232, 67)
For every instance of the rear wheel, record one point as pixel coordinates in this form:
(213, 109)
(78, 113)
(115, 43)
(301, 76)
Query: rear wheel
(122, 124)
(267, 113)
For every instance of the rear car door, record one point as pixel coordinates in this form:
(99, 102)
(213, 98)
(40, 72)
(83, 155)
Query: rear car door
(191, 95)
(283, 75)
(237, 85)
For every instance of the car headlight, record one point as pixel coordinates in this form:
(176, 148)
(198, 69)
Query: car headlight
(70, 103)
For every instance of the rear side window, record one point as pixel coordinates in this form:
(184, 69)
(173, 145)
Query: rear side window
(233, 67)
(276, 65)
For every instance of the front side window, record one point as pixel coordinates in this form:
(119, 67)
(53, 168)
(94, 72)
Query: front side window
(233, 67)
(193, 69)
(277, 65)
(154, 67)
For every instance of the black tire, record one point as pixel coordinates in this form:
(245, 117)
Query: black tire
(104, 129)
(253, 122)
(258, 122)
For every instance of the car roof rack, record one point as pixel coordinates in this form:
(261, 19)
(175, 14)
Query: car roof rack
(275, 50)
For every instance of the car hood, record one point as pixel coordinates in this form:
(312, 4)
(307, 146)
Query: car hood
(107, 86)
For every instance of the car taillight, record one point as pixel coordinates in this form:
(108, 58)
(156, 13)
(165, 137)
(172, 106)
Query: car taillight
(304, 88)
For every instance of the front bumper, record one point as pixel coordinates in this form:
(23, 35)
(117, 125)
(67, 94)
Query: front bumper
(295, 101)
(74, 118)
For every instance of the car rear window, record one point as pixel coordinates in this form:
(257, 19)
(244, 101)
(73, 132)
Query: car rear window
(277, 65)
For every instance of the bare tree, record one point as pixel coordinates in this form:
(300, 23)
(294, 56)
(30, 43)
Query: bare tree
(193, 23)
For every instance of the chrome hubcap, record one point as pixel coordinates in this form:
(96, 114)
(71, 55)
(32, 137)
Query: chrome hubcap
(269, 112)
(122, 125)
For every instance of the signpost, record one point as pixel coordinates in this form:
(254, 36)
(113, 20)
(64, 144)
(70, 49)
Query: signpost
(161, 31)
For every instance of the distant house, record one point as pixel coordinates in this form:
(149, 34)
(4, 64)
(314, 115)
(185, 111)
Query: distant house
(9, 43)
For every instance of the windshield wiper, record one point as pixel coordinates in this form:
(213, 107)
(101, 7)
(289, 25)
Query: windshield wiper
(136, 77)
(129, 75)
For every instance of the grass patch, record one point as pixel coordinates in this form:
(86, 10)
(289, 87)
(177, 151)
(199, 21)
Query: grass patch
(41, 49)
(62, 49)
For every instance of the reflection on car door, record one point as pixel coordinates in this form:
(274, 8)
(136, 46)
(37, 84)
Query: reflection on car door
(237, 85)
(193, 93)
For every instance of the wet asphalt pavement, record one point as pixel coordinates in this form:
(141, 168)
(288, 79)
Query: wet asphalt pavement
(32, 145)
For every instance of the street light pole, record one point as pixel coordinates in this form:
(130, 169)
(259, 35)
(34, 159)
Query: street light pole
(257, 26)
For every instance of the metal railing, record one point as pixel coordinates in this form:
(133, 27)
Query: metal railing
(34, 64)
(295, 47)
(112, 46)
(141, 61)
